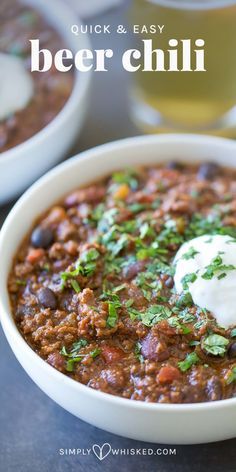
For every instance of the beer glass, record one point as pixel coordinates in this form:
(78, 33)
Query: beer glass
(187, 101)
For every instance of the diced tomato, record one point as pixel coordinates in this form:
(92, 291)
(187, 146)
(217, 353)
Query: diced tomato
(35, 255)
(112, 354)
(168, 374)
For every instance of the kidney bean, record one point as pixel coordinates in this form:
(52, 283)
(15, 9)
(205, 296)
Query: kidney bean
(154, 349)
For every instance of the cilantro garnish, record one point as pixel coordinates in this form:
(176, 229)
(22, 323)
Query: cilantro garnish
(194, 343)
(137, 352)
(232, 376)
(146, 230)
(98, 212)
(129, 303)
(74, 356)
(116, 246)
(211, 224)
(150, 252)
(85, 266)
(75, 286)
(186, 317)
(112, 315)
(190, 254)
(184, 300)
(175, 323)
(190, 360)
(187, 279)
(153, 315)
(138, 207)
(215, 344)
(148, 283)
(128, 177)
(215, 267)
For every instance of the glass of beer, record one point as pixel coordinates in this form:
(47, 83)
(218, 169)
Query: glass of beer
(187, 101)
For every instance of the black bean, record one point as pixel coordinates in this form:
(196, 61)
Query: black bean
(42, 237)
(232, 350)
(169, 283)
(47, 298)
(174, 165)
(208, 171)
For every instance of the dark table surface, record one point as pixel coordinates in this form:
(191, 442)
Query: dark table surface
(33, 428)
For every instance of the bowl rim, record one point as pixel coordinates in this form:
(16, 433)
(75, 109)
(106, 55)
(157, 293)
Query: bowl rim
(9, 327)
(81, 81)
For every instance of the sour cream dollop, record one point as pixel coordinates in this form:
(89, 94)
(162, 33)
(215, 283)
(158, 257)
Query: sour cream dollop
(16, 85)
(206, 267)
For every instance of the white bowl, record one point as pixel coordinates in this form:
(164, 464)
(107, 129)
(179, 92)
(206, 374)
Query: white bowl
(162, 423)
(24, 163)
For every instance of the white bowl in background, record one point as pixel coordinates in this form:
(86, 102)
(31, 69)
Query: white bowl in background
(24, 163)
(160, 423)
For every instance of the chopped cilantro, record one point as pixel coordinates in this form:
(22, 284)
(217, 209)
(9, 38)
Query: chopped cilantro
(146, 253)
(119, 288)
(111, 296)
(112, 315)
(190, 254)
(148, 283)
(175, 323)
(85, 266)
(211, 224)
(215, 267)
(75, 348)
(129, 303)
(194, 343)
(146, 230)
(98, 212)
(232, 376)
(154, 314)
(137, 352)
(115, 247)
(75, 286)
(187, 317)
(215, 344)
(188, 362)
(128, 177)
(150, 252)
(187, 279)
(185, 300)
(137, 207)
(107, 220)
(74, 356)
(200, 324)
(95, 353)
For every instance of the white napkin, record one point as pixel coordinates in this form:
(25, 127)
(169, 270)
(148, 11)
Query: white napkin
(89, 8)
